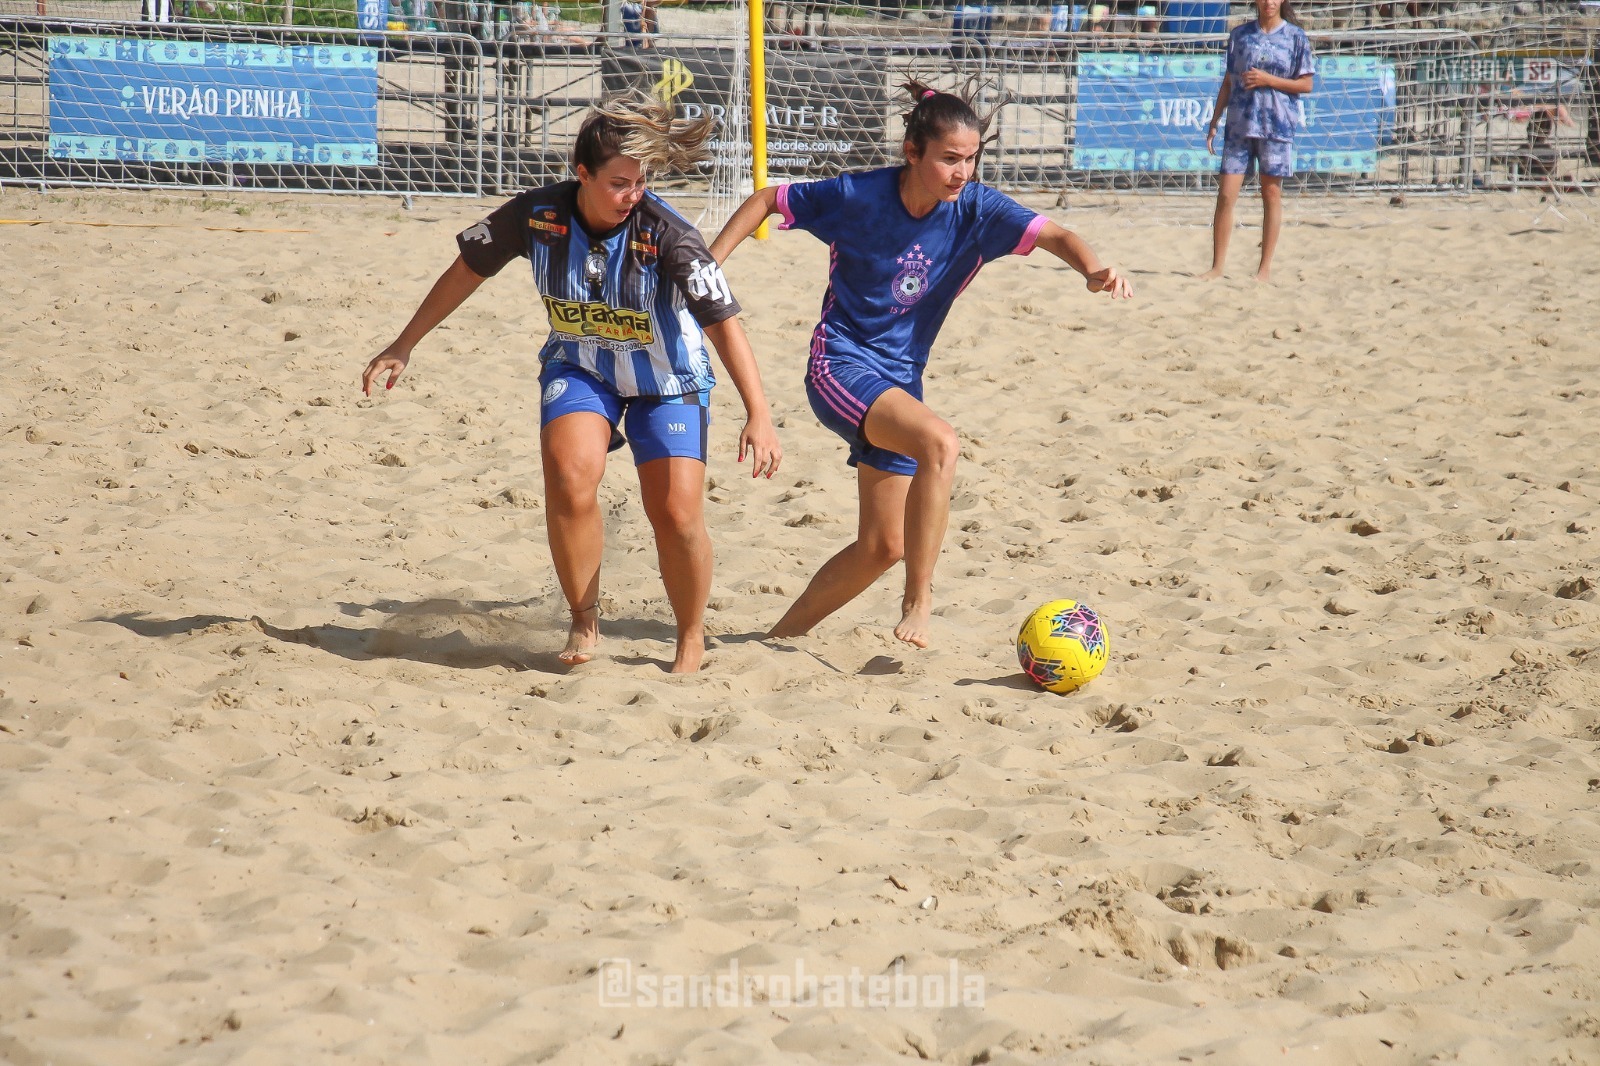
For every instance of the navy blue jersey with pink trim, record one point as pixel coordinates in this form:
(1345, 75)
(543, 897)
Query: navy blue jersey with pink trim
(892, 277)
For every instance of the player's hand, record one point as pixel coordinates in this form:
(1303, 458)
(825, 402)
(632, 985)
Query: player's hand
(1256, 78)
(1107, 280)
(759, 440)
(390, 360)
(1211, 135)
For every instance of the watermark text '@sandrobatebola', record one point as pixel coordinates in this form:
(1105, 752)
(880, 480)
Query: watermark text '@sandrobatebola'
(620, 986)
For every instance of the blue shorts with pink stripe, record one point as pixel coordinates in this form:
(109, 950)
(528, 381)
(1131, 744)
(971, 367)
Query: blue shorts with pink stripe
(841, 392)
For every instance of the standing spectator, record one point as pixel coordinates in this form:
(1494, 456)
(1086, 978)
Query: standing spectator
(1269, 64)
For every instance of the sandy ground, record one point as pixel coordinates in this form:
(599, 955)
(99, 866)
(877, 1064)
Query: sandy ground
(290, 773)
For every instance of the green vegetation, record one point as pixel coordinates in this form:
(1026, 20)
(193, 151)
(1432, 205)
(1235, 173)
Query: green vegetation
(583, 11)
(333, 14)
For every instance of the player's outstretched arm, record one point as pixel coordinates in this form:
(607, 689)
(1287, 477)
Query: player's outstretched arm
(453, 287)
(1074, 251)
(745, 221)
(759, 438)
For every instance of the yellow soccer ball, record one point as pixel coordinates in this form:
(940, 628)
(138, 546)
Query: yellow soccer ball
(1063, 645)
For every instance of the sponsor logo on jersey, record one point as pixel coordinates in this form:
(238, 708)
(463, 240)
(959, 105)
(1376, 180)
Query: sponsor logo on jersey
(577, 318)
(478, 232)
(645, 248)
(706, 282)
(546, 225)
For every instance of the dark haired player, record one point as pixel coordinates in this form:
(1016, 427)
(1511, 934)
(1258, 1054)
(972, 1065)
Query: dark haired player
(904, 242)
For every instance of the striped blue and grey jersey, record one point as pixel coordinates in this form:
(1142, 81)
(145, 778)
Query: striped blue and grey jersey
(626, 305)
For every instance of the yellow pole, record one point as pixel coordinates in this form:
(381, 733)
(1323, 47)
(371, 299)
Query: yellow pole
(758, 103)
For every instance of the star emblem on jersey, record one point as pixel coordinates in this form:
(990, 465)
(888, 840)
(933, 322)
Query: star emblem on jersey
(912, 281)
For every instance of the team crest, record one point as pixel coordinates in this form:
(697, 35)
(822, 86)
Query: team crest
(912, 281)
(553, 391)
(594, 268)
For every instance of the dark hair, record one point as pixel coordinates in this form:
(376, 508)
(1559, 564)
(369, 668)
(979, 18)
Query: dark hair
(1288, 13)
(641, 127)
(935, 114)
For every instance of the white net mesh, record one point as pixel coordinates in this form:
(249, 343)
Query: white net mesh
(731, 170)
(468, 97)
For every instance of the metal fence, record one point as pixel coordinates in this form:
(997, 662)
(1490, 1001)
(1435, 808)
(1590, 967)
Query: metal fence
(458, 114)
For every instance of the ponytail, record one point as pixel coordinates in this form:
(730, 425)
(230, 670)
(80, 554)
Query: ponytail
(936, 114)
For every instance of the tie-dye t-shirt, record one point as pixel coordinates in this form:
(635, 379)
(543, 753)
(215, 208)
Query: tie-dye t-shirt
(1284, 53)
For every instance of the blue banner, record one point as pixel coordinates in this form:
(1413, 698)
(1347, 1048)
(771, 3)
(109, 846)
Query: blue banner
(192, 102)
(1145, 112)
(372, 18)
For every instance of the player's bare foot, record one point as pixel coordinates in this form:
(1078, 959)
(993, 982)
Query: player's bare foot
(691, 652)
(913, 627)
(583, 636)
(1264, 276)
(1211, 275)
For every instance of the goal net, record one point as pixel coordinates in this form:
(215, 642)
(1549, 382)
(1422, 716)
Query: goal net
(452, 96)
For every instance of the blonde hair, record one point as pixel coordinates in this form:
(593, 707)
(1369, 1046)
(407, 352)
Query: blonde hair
(642, 127)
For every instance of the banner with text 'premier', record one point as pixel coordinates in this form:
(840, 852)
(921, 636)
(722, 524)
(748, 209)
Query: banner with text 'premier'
(825, 111)
(192, 102)
(1144, 112)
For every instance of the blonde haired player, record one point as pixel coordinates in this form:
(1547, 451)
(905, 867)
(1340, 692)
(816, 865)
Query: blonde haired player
(632, 296)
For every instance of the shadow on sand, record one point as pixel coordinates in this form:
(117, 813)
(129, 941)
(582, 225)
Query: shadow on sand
(466, 635)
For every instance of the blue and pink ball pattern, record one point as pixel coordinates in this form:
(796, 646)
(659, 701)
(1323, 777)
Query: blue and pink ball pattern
(1063, 645)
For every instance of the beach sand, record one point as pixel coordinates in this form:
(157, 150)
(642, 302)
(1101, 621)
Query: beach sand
(290, 772)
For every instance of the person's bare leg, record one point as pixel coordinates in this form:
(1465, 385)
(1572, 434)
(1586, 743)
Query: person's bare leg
(904, 424)
(879, 544)
(574, 451)
(1228, 186)
(1271, 223)
(674, 501)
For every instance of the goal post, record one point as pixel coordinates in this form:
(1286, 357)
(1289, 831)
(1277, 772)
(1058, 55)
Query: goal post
(758, 103)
